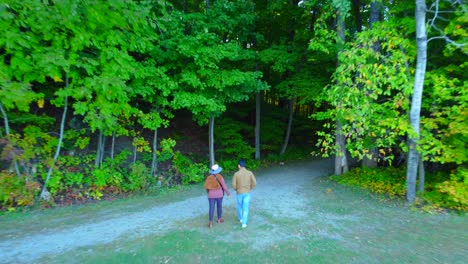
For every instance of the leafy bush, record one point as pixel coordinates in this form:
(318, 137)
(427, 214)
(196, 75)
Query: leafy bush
(190, 172)
(230, 142)
(167, 149)
(388, 180)
(451, 194)
(55, 183)
(137, 178)
(16, 191)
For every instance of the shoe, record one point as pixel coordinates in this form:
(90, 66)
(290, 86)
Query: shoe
(210, 225)
(221, 220)
(244, 225)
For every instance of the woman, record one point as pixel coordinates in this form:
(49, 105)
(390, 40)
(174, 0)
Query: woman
(215, 187)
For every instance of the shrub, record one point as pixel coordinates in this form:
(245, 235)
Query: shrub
(190, 172)
(230, 140)
(137, 178)
(451, 194)
(16, 191)
(388, 180)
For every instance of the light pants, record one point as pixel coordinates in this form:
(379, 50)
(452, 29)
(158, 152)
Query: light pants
(243, 201)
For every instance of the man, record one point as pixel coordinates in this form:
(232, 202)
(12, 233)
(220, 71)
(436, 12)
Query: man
(243, 182)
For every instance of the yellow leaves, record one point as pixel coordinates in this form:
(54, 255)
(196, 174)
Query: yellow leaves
(382, 151)
(40, 103)
(57, 79)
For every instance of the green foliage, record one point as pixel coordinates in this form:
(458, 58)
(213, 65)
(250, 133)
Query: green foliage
(441, 193)
(16, 191)
(75, 139)
(73, 170)
(137, 177)
(55, 183)
(207, 59)
(443, 133)
(167, 149)
(73, 179)
(230, 140)
(452, 193)
(390, 181)
(370, 94)
(189, 171)
(272, 130)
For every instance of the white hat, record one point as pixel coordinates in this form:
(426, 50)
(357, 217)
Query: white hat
(215, 169)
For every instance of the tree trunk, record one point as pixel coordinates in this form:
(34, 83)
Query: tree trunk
(103, 148)
(113, 146)
(357, 14)
(7, 131)
(288, 130)
(258, 105)
(99, 151)
(421, 45)
(376, 8)
(154, 162)
(341, 161)
(45, 195)
(211, 140)
(422, 175)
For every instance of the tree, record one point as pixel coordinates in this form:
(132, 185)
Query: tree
(208, 52)
(415, 147)
(18, 50)
(370, 92)
(413, 154)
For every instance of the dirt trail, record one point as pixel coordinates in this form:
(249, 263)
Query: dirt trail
(160, 218)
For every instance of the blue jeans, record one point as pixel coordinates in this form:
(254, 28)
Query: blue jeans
(243, 202)
(219, 206)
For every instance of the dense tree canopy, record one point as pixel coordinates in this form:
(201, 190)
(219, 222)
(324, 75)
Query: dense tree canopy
(76, 73)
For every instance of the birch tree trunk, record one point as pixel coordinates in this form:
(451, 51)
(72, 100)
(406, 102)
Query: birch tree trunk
(211, 140)
(45, 195)
(7, 131)
(288, 130)
(421, 60)
(113, 146)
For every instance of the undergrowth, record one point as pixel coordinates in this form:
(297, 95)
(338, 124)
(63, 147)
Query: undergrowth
(442, 190)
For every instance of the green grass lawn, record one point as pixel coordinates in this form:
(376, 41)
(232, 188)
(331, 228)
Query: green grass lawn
(336, 225)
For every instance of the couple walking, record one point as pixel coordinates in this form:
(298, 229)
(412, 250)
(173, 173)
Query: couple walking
(242, 182)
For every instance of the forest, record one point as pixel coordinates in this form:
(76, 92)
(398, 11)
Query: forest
(112, 97)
